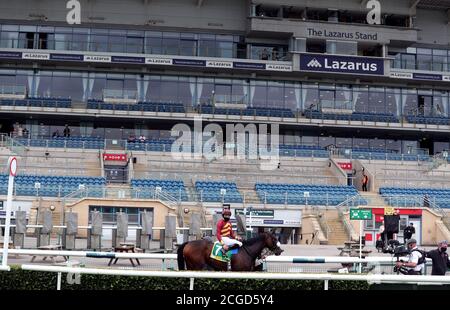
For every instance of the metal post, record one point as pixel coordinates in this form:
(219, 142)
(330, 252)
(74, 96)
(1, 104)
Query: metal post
(191, 284)
(58, 282)
(12, 164)
(326, 285)
(360, 244)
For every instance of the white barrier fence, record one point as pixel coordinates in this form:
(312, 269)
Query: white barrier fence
(192, 275)
(371, 278)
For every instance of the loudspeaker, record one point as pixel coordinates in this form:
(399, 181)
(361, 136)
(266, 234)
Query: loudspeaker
(134, 160)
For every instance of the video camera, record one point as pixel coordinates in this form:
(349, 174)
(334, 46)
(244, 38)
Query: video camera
(396, 249)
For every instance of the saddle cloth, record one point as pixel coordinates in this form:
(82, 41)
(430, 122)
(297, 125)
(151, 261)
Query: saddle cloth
(217, 254)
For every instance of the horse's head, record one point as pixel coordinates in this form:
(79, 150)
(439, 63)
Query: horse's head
(272, 243)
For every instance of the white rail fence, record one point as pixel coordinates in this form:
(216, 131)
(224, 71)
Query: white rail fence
(192, 275)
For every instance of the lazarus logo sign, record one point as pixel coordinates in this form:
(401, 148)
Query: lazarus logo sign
(341, 64)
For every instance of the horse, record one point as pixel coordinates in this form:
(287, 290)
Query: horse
(195, 255)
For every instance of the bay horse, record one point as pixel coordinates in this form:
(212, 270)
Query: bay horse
(195, 255)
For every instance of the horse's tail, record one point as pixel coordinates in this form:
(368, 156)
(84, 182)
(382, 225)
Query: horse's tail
(180, 257)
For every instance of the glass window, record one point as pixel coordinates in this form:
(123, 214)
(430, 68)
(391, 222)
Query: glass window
(153, 45)
(361, 99)
(62, 41)
(275, 97)
(98, 87)
(310, 97)
(343, 98)
(290, 99)
(344, 142)
(377, 144)
(188, 47)
(239, 91)
(424, 62)
(409, 61)
(326, 141)
(184, 94)
(259, 96)
(225, 49)
(79, 42)
(393, 145)
(360, 143)
(376, 102)
(440, 104)
(170, 46)
(68, 87)
(327, 99)
(169, 90)
(439, 63)
(207, 90)
(116, 43)
(310, 140)
(135, 45)
(9, 39)
(207, 48)
(410, 102)
(45, 86)
(99, 43)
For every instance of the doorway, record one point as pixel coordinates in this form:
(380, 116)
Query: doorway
(424, 105)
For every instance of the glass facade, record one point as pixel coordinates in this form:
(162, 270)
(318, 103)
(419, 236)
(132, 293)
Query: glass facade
(136, 41)
(192, 91)
(422, 59)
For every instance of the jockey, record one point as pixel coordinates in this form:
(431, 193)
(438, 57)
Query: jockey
(225, 233)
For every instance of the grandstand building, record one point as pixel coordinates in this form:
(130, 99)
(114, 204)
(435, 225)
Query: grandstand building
(93, 104)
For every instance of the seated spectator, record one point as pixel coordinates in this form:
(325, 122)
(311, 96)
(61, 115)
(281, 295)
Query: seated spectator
(142, 138)
(55, 134)
(131, 139)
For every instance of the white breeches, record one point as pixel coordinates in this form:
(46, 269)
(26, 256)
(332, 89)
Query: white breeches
(230, 241)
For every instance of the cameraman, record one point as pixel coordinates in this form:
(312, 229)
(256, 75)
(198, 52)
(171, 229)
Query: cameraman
(416, 260)
(440, 259)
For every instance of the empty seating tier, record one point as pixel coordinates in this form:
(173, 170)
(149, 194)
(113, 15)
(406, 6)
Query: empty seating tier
(355, 116)
(65, 142)
(415, 197)
(330, 195)
(432, 120)
(174, 188)
(38, 102)
(212, 192)
(167, 107)
(249, 111)
(52, 186)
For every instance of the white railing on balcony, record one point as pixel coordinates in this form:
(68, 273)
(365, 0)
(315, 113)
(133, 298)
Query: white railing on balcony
(120, 95)
(13, 92)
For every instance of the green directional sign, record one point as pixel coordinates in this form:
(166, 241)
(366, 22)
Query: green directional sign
(360, 214)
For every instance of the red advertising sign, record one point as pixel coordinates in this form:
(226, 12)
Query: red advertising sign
(345, 166)
(115, 157)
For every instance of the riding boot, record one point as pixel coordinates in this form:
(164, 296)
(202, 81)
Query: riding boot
(224, 252)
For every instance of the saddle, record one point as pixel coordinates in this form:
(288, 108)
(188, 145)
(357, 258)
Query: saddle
(217, 254)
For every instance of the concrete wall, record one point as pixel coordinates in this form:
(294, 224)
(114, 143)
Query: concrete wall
(433, 27)
(212, 14)
(82, 208)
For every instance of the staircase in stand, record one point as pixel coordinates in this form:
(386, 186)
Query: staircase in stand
(337, 234)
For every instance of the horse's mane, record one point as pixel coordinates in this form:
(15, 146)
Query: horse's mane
(253, 240)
